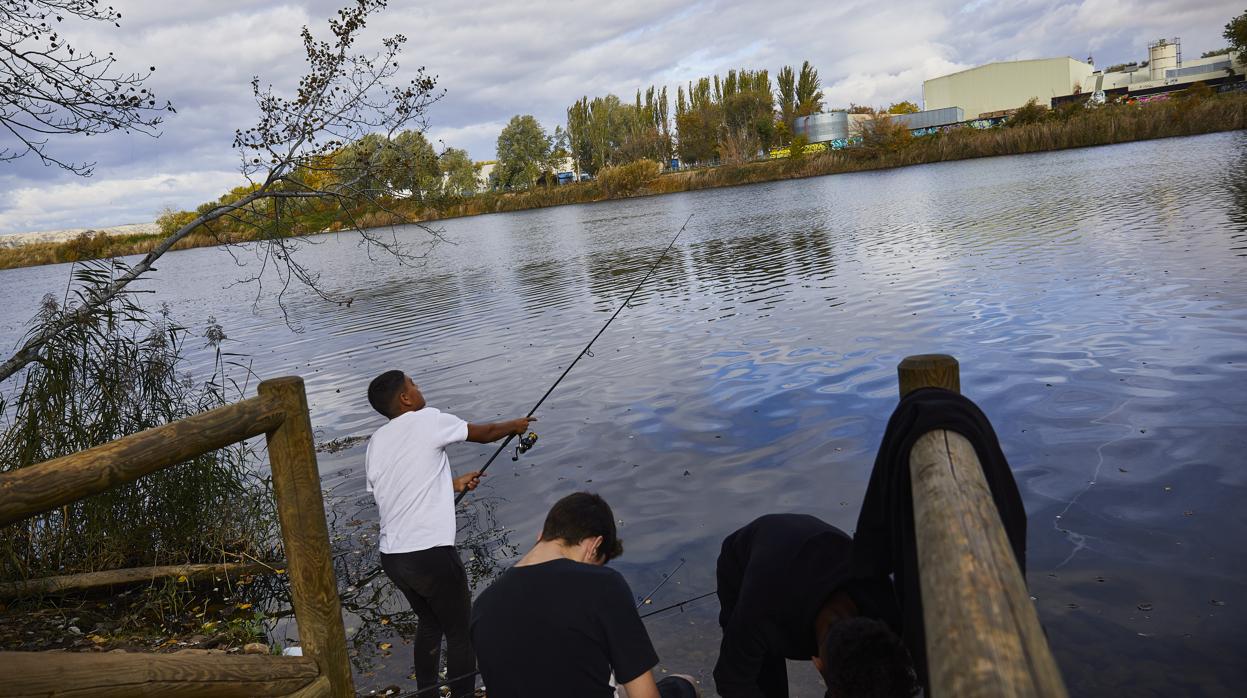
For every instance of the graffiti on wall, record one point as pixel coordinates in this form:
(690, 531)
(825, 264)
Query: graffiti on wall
(945, 128)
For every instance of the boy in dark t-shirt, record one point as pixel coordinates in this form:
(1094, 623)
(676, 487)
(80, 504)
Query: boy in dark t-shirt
(560, 623)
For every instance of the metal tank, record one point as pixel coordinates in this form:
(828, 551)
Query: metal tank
(821, 128)
(1162, 55)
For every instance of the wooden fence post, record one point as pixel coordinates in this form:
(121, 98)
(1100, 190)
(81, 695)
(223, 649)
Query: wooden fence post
(983, 635)
(928, 371)
(301, 511)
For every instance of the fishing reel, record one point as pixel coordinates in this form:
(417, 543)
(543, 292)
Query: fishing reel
(527, 441)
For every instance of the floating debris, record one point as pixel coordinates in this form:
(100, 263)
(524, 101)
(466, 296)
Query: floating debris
(1145, 607)
(340, 444)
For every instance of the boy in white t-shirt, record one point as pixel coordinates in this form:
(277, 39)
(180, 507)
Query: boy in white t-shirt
(409, 475)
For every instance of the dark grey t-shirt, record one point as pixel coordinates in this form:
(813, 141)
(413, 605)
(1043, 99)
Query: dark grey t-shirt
(559, 629)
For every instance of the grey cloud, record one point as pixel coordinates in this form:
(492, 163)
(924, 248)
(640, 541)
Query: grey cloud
(497, 59)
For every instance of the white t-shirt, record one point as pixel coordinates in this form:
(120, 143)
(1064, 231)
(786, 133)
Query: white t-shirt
(408, 474)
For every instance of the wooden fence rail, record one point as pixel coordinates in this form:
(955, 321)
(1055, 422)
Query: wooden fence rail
(37, 488)
(983, 636)
(280, 413)
(137, 674)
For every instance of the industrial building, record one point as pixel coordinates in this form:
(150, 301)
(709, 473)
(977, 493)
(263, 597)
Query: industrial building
(985, 96)
(837, 129)
(1163, 71)
(992, 89)
(484, 175)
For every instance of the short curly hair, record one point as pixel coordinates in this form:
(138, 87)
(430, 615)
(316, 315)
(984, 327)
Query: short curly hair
(384, 389)
(863, 658)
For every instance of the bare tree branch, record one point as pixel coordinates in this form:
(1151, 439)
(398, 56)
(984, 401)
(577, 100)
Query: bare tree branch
(297, 154)
(49, 88)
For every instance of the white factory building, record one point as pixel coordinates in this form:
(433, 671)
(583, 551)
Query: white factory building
(996, 88)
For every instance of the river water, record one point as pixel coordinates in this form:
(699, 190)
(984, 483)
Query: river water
(1096, 299)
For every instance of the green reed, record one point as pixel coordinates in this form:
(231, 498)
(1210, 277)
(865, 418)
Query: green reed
(118, 373)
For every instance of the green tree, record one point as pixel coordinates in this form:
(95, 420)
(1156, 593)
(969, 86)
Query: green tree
(359, 162)
(1236, 34)
(796, 147)
(698, 120)
(809, 91)
(604, 132)
(461, 173)
(407, 163)
(749, 108)
(905, 107)
(786, 80)
(524, 152)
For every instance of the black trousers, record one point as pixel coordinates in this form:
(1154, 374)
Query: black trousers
(436, 586)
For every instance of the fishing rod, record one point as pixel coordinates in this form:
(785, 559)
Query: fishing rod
(680, 605)
(527, 440)
(665, 578)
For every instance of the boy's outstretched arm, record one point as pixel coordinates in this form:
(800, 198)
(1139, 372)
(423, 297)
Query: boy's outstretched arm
(492, 431)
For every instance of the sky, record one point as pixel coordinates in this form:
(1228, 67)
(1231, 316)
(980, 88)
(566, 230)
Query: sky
(499, 58)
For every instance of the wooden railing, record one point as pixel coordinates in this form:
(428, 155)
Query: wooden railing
(280, 413)
(983, 636)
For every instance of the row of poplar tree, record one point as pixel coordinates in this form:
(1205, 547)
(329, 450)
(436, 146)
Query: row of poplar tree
(727, 119)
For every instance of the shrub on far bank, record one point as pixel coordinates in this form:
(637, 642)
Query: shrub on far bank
(883, 134)
(1030, 113)
(622, 180)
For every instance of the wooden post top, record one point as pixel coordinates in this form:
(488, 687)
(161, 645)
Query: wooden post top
(929, 371)
(280, 382)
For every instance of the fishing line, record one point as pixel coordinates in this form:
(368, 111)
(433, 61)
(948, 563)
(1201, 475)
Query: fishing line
(527, 441)
(459, 497)
(665, 578)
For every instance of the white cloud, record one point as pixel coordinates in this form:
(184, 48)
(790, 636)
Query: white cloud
(498, 59)
(113, 201)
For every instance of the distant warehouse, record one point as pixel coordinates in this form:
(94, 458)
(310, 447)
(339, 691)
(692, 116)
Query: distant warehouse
(992, 89)
(996, 89)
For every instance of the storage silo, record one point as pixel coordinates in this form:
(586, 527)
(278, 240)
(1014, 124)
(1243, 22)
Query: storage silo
(1162, 55)
(821, 128)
